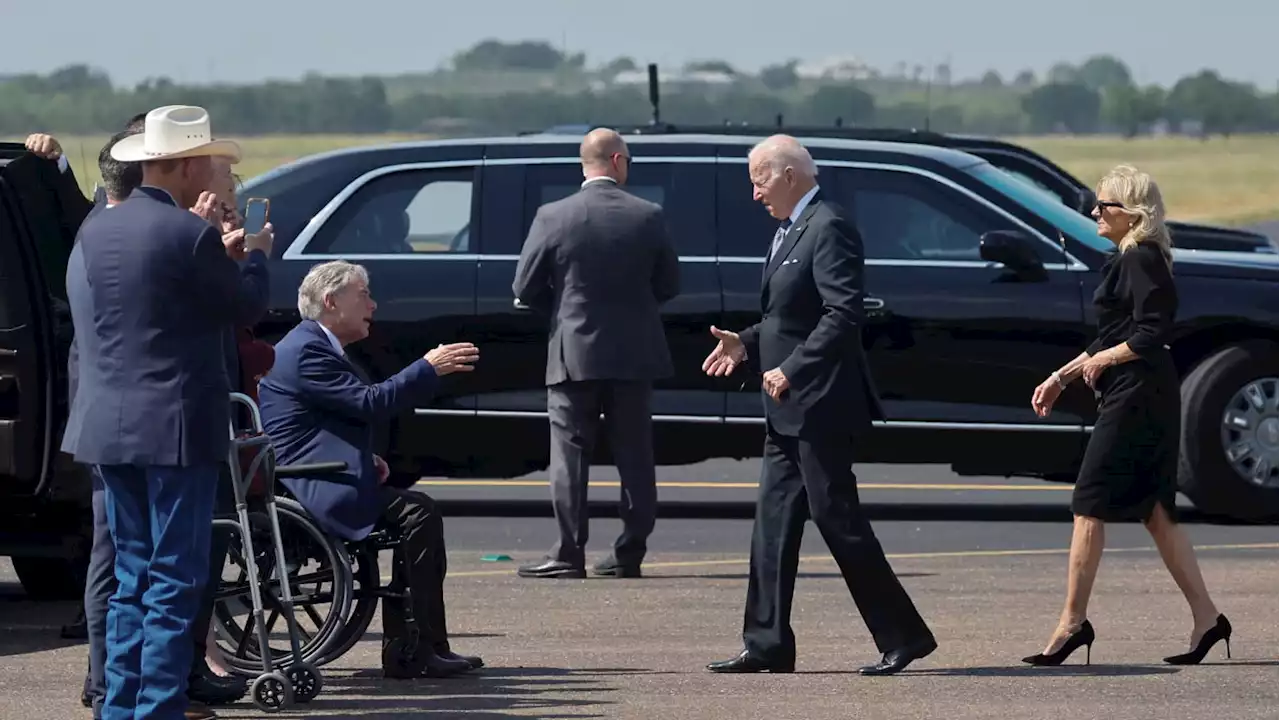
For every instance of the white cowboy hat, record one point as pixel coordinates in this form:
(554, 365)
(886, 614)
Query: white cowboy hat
(172, 132)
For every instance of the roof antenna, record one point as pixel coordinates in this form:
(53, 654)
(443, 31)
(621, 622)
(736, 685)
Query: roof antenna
(653, 92)
(839, 121)
(928, 106)
(779, 120)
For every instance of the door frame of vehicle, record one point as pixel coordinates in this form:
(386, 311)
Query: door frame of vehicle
(31, 452)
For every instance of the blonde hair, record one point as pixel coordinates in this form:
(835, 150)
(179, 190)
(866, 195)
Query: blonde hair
(1142, 200)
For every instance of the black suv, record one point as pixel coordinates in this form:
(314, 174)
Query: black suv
(978, 286)
(1010, 157)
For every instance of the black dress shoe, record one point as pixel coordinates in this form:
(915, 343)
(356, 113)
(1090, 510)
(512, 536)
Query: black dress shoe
(473, 660)
(610, 567)
(549, 568)
(209, 688)
(896, 660)
(424, 663)
(440, 667)
(747, 663)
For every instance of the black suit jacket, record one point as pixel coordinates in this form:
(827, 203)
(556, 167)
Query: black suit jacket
(600, 263)
(811, 299)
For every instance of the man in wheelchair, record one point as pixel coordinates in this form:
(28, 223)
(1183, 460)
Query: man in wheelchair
(316, 408)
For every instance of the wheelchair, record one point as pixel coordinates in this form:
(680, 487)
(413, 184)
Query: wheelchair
(331, 588)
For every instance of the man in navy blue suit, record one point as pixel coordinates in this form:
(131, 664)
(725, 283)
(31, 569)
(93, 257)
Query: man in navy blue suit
(317, 408)
(151, 411)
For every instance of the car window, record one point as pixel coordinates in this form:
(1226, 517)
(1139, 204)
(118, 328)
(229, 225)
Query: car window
(1062, 217)
(906, 216)
(684, 190)
(1032, 182)
(407, 212)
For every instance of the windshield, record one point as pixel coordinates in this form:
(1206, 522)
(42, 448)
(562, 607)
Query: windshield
(1046, 206)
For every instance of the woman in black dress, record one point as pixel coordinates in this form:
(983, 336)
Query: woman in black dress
(1130, 465)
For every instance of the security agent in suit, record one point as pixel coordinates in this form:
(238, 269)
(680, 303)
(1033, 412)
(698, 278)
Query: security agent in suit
(151, 407)
(317, 408)
(818, 399)
(600, 263)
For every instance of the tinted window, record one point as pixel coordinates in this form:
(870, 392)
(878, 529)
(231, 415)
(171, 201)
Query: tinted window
(906, 216)
(1062, 217)
(415, 211)
(684, 190)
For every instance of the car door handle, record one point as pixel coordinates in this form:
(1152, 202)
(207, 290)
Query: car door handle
(518, 304)
(872, 303)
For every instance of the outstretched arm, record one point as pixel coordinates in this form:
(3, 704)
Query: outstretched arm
(331, 383)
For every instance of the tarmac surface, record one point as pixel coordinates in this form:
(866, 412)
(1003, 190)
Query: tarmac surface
(636, 648)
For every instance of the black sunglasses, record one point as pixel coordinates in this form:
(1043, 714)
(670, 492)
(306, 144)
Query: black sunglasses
(1100, 204)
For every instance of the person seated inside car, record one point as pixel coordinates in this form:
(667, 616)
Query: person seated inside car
(317, 408)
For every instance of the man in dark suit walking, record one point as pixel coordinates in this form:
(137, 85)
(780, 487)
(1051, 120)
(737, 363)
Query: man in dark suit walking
(600, 263)
(819, 399)
(317, 408)
(151, 410)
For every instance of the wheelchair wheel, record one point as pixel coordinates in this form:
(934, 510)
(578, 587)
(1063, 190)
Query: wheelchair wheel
(319, 573)
(271, 693)
(366, 580)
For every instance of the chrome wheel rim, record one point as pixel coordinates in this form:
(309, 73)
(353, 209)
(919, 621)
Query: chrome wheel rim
(1250, 430)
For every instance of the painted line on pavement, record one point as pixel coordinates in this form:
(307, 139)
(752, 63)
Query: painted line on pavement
(707, 485)
(901, 556)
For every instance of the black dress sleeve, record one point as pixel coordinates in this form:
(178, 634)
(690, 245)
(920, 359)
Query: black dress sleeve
(1148, 280)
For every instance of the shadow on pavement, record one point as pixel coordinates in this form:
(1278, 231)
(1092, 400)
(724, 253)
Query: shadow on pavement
(27, 626)
(1058, 671)
(743, 576)
(487, 694)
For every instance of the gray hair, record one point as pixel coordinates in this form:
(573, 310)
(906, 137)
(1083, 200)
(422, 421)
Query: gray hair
(782, 151)
(324, 280)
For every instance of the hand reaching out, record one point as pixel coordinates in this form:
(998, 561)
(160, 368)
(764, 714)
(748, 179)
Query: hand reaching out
(727, 355)
(455, 357)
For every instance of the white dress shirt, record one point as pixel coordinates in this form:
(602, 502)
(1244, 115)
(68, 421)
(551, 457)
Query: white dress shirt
(333, 339)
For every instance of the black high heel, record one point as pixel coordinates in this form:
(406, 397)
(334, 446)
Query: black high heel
(1084, 636)
(1220, 631)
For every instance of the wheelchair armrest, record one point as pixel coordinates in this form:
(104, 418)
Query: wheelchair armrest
(320, 468)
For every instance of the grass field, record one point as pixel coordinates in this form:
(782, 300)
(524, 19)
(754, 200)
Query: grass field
(1226, 180)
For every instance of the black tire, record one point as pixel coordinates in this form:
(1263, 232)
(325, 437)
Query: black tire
(1205, 474)
(51, 578)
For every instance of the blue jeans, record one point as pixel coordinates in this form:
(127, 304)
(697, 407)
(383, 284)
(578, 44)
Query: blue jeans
(160, 519)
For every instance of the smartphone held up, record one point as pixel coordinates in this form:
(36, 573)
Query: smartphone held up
(257, 213)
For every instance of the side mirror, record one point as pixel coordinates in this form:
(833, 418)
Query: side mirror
(1085, 202)
(1014, 250)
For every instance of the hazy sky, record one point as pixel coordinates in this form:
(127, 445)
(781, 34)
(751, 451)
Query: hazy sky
(248, 40)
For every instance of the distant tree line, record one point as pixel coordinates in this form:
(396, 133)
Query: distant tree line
(497, 87)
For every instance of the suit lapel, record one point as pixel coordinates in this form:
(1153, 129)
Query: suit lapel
(790, 239)
(319, 335)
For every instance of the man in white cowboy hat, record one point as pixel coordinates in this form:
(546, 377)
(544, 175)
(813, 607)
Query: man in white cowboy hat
(159, 290)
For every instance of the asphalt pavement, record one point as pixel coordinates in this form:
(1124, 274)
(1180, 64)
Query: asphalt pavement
(601, 648)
